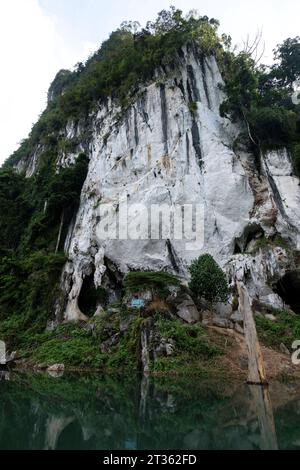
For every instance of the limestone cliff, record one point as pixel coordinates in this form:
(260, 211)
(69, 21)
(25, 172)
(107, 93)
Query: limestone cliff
(165, 149)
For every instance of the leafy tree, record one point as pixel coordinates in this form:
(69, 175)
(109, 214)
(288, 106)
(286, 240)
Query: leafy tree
(287, 70)
(208, 280)
(15, 210)
(273, 125)
(241, 85)
(61, 81)
(261, 96)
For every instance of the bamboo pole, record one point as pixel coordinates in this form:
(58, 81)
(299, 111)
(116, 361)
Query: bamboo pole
(256, 374)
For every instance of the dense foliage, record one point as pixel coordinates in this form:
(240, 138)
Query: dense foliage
(31, 213)
(99, 344)
(208, 280)
(157, 282)
(261, 97)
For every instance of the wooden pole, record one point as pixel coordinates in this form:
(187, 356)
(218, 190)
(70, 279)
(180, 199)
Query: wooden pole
(263, 405)
(257, 374)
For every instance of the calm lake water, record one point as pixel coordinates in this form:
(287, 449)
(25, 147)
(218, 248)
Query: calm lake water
(93, 411)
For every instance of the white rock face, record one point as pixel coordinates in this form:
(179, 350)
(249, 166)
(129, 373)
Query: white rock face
(286, 188)
(162, 150)
(30, 166)
(259, 271)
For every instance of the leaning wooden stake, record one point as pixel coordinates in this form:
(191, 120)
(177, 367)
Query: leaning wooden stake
(264, 410)
(257, 374)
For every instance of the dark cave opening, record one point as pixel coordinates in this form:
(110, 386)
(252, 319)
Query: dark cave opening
(288, 288)
(237, 249)
(71, 437)
(249, 239)
(90, 296)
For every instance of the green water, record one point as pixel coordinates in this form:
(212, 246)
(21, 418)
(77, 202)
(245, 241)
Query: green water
(92, 411)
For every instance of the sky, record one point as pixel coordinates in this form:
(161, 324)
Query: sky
(40, 37)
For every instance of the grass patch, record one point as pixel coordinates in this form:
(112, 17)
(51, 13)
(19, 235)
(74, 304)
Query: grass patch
(188, 338)
(264, 243)
(286, 328)
(194, 353)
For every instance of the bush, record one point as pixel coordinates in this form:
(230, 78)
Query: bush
(208, 280)
(193, 107)
(188, 338)
(28, 289)
(157, 282)
(273, 126)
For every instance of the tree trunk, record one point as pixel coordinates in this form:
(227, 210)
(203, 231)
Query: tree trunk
(257, 374)
(60, 231)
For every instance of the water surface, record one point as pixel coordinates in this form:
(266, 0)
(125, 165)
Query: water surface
(94, 411)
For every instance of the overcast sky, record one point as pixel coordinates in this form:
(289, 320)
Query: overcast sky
(39, 37)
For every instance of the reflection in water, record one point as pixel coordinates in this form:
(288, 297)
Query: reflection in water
(262, 401)
(91, 411)
(54, 427)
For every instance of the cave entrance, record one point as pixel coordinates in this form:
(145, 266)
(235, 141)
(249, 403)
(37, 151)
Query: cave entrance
(249, 239)
(90, 296)
(288, 288)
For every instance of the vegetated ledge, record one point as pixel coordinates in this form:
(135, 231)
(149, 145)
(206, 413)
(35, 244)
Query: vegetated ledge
(113, 344)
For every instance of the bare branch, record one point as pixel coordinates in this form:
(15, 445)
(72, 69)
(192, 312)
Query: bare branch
(256, 47)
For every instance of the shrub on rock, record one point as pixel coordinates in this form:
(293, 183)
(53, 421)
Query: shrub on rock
(208, 281)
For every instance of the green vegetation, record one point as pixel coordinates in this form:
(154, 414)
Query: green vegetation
(270, 242)
(188, 338)
(262, 96)
(157, 282)
(193, 107)
(285, 329)
(296, 158)
(127, 59)
(31, 212)
(14, 209)
(208, 280)
(28, 288)
(99, 344)
(79, 345)
(194, 354)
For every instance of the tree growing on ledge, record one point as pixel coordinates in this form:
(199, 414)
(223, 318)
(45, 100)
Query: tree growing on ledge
(208, 281)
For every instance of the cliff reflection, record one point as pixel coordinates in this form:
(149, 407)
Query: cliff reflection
(91, 411)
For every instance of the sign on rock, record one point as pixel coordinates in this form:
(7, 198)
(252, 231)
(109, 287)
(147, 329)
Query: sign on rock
(137, 303)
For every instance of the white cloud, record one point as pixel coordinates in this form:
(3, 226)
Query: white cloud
(31, 52)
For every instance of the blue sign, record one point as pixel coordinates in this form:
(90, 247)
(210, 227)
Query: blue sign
(137, 303)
